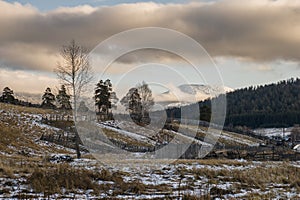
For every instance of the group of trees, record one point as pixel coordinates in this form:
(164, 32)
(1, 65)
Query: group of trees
(74, 71)
(138, 101)
(62, 99)
(48, 99)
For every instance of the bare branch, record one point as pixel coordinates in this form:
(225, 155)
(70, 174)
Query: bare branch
(74, 69)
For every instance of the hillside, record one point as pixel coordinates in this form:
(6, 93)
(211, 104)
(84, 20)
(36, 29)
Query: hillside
(273, 105)
(34, 169)
(21, 129)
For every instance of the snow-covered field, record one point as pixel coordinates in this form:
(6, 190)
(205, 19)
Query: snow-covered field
(35, 169)
(216, 179)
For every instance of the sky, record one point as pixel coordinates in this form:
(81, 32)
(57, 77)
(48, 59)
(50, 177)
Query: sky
(251, 43)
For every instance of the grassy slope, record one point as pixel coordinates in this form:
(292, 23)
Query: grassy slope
(20, 129)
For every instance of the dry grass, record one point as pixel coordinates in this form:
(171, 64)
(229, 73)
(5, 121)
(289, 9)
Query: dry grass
(54, 180)
(258, 178)
(24, 109)
(62, 178)
(17, 139)
(18, 132)
(6, 171)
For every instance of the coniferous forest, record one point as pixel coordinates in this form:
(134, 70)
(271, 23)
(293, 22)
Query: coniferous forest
(272, 105)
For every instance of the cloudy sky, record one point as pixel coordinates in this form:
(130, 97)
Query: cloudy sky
(252, 43)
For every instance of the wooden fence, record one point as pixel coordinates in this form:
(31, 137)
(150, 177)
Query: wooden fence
(56, 117)
(262, 153)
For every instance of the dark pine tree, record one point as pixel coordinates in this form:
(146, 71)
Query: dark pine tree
(8, 96)
(103, 98)
(48, 99)
(63, 99)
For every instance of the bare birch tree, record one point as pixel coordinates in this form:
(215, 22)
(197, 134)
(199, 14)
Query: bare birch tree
(75, 72)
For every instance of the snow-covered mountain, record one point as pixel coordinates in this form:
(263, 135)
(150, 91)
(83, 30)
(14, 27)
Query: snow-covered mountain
(190, 93)
(197, 89)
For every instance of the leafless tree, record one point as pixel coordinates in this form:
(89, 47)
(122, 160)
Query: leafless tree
(75, 72)
(146, 98)
(139, 101)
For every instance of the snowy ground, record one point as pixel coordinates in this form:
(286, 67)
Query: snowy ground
(270, 132)
(196, 178)
(186, 135)
(22, 154)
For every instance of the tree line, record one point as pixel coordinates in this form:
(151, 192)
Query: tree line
(49, 100)
(138, 101)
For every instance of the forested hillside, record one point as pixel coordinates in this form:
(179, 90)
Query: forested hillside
(273, 105)
(265, 106)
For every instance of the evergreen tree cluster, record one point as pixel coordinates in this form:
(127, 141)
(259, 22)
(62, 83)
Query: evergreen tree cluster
(133, 104)
(48, 99)
(272, 105)
(62, 99)
(105, 99)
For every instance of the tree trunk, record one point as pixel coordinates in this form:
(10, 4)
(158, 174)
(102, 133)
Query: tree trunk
(75, 119)
(77, 145)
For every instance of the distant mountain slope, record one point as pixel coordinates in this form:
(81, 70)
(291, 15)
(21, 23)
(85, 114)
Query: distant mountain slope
(203, 89)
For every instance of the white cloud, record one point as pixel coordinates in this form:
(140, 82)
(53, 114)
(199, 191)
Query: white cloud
(28, 81)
